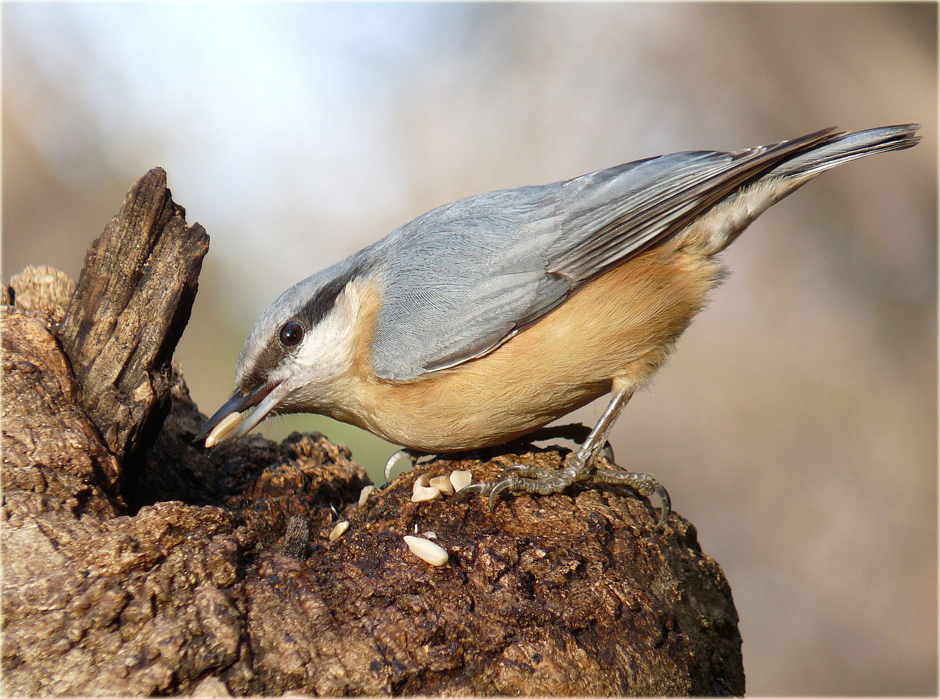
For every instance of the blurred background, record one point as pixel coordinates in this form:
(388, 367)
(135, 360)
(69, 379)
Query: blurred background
(797, 424)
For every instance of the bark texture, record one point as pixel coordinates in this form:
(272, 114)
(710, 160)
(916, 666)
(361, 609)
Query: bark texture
(133, 300)
(137, 563)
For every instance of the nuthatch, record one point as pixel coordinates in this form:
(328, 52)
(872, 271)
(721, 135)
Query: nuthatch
(491, 316)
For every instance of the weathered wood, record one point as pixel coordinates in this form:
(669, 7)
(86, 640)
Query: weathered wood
(133, 300)
(213, 572)
(42, 289)
(226, 574)
(49, 445)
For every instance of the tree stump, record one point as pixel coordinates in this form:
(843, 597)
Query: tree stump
(135, 562)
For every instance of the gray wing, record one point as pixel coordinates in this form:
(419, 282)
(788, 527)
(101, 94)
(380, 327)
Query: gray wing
(463, 278)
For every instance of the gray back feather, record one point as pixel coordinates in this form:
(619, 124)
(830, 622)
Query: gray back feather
(460, 280)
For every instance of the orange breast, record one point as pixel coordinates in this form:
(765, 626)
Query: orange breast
(622, 325)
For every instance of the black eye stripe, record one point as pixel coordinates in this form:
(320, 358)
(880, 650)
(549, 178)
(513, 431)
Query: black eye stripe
(316, 309)
(307, 314)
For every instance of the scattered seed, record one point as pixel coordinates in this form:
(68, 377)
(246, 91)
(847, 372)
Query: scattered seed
(422, 481)
(427, 550)
(339, 530)
(429, 535)
(425, 493)
(461, 479)
(230, 422)
(443, 484)
(364, 494)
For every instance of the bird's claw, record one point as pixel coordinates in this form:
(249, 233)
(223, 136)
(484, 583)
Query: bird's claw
(511, 483)
(396, 457)
(474, 488)
(665, 506)
(520, 478)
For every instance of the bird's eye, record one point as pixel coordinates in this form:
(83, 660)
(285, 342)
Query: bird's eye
(291, 333)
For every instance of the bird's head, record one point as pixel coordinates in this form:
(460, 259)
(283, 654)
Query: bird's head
(293, 356)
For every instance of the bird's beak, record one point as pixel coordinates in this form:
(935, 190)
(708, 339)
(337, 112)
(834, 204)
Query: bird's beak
(229, 421)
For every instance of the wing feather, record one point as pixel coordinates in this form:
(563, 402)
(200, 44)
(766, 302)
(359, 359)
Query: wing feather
(463, 278)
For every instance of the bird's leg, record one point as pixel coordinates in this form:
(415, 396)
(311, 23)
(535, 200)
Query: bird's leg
(579, 468)
(573, 432)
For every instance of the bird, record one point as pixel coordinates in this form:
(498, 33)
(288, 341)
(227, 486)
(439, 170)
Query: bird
(485, 319)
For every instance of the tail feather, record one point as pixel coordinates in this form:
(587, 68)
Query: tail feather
(840, 148)
(720, 226)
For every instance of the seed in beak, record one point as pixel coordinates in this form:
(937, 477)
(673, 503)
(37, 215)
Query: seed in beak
(230, 422)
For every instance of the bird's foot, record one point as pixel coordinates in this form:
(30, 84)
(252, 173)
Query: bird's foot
(574, 432)
(520, 479)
